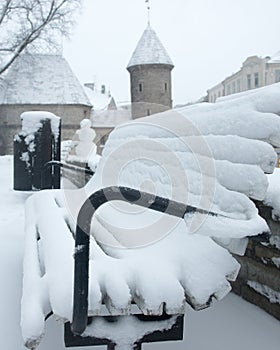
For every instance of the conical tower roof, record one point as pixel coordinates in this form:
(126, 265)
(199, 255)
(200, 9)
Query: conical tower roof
(149, 50)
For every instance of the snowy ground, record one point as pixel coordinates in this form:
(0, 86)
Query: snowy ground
(229, 325)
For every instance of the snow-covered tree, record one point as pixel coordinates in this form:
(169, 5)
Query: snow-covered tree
(22, 22)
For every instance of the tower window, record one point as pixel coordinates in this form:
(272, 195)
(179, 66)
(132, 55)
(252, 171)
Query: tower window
(165, 86)
(140, 87)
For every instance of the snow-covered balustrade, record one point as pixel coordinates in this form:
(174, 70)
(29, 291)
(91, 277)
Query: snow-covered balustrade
(209, 156)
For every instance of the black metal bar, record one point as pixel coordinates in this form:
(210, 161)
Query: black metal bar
(71, 340)
(42, 153)
(22, 167)
(70, 167)
(46, 177)
(148, 200)
(175, 333)
(57, 164)
(133, 196)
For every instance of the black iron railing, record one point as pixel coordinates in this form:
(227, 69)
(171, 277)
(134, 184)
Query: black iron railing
(143, 199)
(97, 199)
(51, 179)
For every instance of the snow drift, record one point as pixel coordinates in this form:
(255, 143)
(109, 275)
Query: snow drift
(211, 156)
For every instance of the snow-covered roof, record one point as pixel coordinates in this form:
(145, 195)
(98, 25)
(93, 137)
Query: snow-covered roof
(42, 79)
(149, 50)
(275, 58)
(98, 100)
(110, 118)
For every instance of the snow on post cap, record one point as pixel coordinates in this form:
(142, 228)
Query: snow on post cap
(149, 50)
(32, 121)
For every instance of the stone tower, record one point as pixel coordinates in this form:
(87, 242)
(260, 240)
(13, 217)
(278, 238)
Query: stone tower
(150, 76)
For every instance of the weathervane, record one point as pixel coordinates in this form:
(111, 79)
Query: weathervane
(148, 8)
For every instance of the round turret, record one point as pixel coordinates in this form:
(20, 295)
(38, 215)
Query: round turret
(150, 76)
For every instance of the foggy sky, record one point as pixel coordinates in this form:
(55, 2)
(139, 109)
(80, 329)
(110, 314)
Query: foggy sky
(207, 40)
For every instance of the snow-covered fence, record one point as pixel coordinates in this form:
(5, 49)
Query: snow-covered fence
(212, 157)
(35, 145)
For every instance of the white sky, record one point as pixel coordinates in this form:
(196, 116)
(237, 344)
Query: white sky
(206, 39)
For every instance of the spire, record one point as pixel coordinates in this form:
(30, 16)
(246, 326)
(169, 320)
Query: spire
(149, 50)
(148, 10)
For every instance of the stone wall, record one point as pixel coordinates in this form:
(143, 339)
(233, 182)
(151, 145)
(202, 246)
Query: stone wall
(10, 123)
(151, 85)
(259, 279)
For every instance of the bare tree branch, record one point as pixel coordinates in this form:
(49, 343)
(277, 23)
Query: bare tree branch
(23, 22)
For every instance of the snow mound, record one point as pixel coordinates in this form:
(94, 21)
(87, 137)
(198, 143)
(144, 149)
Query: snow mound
(210, 156)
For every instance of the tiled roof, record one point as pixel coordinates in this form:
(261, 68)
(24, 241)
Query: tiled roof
(42, 79)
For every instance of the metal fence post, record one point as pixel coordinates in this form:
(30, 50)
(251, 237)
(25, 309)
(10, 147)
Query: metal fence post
(30, 157)
(22, 165)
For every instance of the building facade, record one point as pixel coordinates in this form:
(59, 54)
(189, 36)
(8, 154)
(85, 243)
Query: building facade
(150, 76)
(40, 82)
(254, 73)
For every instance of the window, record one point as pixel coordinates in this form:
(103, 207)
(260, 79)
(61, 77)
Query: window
(140, 87)
(265, 78)
(238, 88)
(165, 86)
(256, 80)
(233, 88)
(249, 86)
(277, 75)
(148, 112)
(228, 89)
